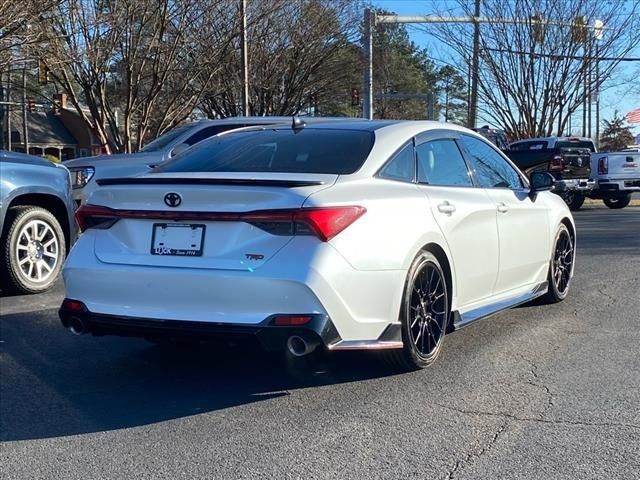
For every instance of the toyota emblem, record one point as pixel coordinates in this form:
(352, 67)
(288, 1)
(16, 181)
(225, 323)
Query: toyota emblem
(172, 199)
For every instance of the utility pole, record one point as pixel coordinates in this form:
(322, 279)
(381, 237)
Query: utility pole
(584, 95)
(589, 84)
(369, 21)
(597, 94)
(9, 108)
(25, 128)
(475, 67)
(598, 32)
(245, 60)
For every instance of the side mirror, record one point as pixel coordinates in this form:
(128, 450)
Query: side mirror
(178, 149)
(540, 182)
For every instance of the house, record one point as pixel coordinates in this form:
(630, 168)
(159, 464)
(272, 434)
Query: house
(60, 133)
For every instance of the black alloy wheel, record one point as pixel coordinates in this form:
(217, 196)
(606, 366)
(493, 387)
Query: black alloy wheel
(424, 314)
(561, 267)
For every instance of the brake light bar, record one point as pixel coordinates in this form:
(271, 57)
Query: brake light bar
(323, 222)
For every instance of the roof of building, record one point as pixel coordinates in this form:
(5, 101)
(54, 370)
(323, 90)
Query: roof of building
(45, 129)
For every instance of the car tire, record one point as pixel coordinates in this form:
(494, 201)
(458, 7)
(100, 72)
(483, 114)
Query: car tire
(574, 200)
(424, 314)
(33, 250)
(561, 266)
(620, 201)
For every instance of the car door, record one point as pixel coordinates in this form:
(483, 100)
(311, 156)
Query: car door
(523, 223)
(465, 215)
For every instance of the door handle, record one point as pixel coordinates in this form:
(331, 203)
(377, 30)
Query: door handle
(447, 208)
(503, 208)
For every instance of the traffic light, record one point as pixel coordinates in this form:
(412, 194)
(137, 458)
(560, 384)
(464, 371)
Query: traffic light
(579, 29)
(31, 105)
(355, 97)
(43, 73)
(537, 28)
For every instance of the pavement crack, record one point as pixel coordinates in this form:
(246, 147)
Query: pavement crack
(475, 455)
(516, 418)
(610, 297)
(536, 381)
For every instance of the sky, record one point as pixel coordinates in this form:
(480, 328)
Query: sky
(613, 96)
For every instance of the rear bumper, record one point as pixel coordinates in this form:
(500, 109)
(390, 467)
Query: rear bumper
(563, 184)
(270, 337)
(617, 186)
(302, 279)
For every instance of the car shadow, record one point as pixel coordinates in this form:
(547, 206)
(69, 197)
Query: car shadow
(56, 384)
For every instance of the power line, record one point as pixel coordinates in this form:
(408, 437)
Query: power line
(572, 57)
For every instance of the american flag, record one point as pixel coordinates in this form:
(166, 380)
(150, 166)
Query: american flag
(633, 116)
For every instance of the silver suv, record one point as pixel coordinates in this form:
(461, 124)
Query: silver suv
(36, 221)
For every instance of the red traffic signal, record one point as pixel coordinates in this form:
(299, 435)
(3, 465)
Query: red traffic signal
(355, 97)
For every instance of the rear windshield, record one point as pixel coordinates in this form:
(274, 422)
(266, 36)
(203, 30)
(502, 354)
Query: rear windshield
(284, 150)
(579, 144)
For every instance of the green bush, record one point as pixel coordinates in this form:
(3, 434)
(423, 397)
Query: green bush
(52, 158)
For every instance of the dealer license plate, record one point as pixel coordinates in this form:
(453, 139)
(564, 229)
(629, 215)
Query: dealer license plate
(179, 239)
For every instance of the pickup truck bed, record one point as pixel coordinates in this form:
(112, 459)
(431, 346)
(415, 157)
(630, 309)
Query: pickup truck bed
(617, 176)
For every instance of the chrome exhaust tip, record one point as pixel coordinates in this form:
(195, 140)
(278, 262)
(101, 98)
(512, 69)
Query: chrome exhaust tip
(299, 346)
(77, 326)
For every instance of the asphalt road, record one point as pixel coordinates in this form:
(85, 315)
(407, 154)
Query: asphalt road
(536, 392)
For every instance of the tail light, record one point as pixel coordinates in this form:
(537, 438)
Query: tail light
(323, 222)
(556, 164)
(94, 216)
(603, 165)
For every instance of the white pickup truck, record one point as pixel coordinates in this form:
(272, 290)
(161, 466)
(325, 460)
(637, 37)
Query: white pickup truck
(617, 176)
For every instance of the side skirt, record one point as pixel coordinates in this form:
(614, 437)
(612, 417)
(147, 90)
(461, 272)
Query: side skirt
(461, 320)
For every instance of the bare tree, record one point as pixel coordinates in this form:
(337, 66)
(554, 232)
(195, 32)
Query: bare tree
(295, 57)
(537, 72)
(17, 19)
(134, 68)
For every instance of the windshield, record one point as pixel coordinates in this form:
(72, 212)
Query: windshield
(284, 151)
(163, 140)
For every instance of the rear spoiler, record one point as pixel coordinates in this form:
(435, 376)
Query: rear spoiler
(254, 182)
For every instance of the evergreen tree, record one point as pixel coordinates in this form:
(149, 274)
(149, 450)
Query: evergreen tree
(453, 95)
(615, 135)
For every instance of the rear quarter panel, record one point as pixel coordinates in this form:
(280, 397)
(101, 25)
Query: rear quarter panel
(397, 225)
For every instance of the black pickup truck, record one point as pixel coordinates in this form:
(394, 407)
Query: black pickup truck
(568, 159)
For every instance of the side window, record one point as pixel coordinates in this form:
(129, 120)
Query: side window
(401, 166)
(491, 170)
(441, 163)
(209, 132)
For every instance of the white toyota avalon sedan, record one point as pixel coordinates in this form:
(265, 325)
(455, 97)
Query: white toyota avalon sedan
(355, 235)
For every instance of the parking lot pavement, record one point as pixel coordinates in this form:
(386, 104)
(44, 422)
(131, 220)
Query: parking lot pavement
(536, 392)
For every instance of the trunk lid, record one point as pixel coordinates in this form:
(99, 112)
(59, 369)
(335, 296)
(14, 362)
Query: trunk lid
(196, 211)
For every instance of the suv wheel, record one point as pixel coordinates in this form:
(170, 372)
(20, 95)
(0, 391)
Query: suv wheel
(33, 249)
